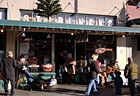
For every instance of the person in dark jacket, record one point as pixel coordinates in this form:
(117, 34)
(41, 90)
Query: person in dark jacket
(94, 70)
(118, 83)
(23, 67)
(9, 65)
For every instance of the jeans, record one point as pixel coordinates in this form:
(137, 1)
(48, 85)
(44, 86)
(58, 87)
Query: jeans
(97, 80)
(92, 83)
(28, 76)
(132, 86)
(60, 74)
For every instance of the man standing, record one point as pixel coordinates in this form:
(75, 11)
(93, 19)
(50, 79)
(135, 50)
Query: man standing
(9, 65)
(94, 70)
(131, 73)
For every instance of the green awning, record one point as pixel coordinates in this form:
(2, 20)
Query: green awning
(52, 25)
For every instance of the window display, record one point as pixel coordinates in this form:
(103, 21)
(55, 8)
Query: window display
(37, 48)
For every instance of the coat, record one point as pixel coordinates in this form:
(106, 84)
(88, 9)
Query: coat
(132, 71)
(70, 67)
(21, 64)
(9, 66)
(94, 70)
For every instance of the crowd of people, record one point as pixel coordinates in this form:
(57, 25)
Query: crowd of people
(131, 73)
(98, 76)
(68, 66)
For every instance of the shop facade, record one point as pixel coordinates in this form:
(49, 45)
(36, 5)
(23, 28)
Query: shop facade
(78, 31)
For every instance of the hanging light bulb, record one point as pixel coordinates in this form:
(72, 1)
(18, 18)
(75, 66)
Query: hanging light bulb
(123, 36)
(23, 35)
(72, 33)
(2, 30)
(48, 36)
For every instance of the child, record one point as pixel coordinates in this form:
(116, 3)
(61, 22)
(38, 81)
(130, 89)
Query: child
(118, 83)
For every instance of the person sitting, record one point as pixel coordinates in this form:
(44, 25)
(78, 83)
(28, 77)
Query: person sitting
(112, 68)
(23, 68)
(102, 75)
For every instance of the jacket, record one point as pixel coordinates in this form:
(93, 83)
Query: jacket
(21, 64)
(9, 66)
(132, 71)
(94, 70)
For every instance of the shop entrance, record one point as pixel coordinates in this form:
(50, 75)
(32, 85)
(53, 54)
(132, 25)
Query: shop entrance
(64, 43)
(95, 42)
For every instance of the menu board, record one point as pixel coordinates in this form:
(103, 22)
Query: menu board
(24, 48)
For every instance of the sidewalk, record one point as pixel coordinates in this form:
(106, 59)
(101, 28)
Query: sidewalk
(68, 90)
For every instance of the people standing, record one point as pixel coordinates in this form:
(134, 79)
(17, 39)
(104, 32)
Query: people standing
(70, 63)
(9, 65)
(23, 67)
(131, 73)
(118, 83)
(94, 70)
(59, 66)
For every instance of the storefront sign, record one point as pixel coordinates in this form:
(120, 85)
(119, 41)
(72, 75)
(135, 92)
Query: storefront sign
(102, 50)
(24, 48)
(69, 18)
(2, 14)
(121, 51)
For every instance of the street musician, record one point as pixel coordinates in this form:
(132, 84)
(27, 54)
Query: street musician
(112, 68)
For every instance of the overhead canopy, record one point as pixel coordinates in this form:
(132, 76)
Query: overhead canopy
(51, 25)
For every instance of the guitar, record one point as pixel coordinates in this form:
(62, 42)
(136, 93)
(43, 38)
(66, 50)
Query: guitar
(108, 71)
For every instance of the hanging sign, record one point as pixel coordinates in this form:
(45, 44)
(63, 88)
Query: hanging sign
(102, 50)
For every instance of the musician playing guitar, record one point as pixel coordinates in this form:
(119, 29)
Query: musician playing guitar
(112, 68)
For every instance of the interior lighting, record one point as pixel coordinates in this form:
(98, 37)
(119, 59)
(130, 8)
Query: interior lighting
(72, 33)
(23, 35)
(123, 36)
(48, 36)
(2, 31)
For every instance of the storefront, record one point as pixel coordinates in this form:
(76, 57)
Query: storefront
(40, 40)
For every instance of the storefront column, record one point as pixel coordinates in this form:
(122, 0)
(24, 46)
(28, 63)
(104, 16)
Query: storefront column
(129, 47)
(123, 51)
(10, 42)
(53, 52)
(74, 49)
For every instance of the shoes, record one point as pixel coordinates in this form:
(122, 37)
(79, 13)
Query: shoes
(103, 85)
(85, 95)
(6, 94)
(30, 89)
(96, 93)
(11, 94)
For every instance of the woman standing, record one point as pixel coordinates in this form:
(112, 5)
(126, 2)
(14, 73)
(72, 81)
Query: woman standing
(70, 64)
